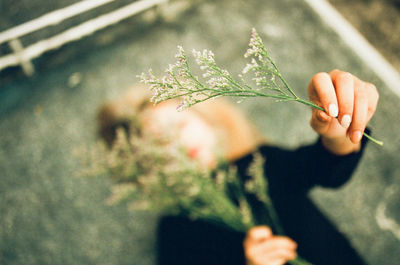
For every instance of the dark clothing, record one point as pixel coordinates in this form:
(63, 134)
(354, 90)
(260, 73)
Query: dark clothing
(290, 175)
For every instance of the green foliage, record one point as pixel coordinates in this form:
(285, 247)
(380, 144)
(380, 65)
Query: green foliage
(157, 174)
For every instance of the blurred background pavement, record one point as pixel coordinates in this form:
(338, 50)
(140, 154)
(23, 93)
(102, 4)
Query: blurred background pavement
(48, 215)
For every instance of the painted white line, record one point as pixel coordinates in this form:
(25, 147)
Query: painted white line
(77, 32)
(51, 18)
(367, 53)
(384, 222)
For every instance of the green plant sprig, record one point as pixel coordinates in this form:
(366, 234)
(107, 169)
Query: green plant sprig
(180, 82)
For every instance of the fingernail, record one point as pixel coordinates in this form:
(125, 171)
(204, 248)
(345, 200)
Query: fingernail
(333, 110)
(357, 136)
(346, 120)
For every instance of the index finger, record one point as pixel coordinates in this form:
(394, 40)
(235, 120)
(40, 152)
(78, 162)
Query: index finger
(344, 86)
(322, 91)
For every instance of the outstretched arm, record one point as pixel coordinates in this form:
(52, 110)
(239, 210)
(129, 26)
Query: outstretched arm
(331, 161)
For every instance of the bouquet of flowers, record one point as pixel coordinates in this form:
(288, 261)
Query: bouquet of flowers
(155, 173)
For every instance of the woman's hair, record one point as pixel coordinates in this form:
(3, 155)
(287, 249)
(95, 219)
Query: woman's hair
(235, 134)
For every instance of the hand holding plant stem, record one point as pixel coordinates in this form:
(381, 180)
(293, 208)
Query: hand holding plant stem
(350, 102)
(180, 82)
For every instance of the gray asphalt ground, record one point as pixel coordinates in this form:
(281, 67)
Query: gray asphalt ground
(48, 215)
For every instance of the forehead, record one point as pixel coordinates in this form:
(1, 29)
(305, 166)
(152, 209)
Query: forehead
(167, 114)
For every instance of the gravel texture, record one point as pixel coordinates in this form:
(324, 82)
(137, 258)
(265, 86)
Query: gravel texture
(51, 216)
(378, 21)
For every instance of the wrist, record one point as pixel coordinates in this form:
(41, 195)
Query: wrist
(340, 145)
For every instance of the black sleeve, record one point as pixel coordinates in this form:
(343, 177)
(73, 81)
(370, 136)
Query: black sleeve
(182, 241)
(290, 174)
(308, 166)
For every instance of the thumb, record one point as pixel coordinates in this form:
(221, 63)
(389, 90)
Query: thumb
(259, 233)
(320, 121)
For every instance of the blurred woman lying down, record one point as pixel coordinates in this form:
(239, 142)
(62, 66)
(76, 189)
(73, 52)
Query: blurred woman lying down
(216, 128)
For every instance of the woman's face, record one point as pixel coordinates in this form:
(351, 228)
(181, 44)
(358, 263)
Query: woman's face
(193, 132)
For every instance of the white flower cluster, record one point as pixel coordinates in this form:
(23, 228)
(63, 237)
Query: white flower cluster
(217, 76)
(264, 69)
(256, 46)
(177, 82)
(180, 82)
(157, 174)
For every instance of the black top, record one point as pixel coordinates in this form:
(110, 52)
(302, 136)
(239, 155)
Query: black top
(290, 175)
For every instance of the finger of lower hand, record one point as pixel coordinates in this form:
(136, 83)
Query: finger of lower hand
(278, 242)
(274, 261)
(258, 233)
(280, 254)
